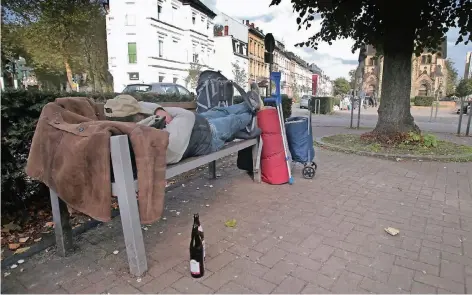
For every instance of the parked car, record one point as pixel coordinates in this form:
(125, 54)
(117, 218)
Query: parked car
(159, 88)
(465, 109)
(304, 101)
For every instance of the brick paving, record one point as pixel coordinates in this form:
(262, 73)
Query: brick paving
(317, 236)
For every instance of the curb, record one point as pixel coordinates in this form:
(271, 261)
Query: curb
(319, 141)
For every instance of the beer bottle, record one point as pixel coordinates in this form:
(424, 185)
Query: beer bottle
(196, 221)
(197, 269)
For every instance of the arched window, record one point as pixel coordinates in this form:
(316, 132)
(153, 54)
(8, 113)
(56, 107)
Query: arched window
(423, 59)
(430, 59)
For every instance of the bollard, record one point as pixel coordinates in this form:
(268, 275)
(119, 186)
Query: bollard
(352, 110)
(460, 116)
(468, 121)
(359, 112)
(434, 104)
(317, 109)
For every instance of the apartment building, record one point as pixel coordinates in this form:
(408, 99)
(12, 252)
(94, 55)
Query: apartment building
(158, 41)
(282, 65)
(231, 49)
(258, 69)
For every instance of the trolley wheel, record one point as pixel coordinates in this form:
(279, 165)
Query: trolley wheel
(314, 164)
(308, 172)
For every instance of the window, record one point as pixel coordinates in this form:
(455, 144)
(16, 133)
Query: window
(429, 59)
(161, 48)
(132, 56)
(174, 80)
(208, 25)
(195, 57)
(130, 20)
(161, 78)
(423, 59)
(194, 16)
(182, 90)
(159, 12)
(203, 19)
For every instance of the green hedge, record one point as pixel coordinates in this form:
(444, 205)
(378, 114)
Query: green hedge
(286, 104)
(326, 105)
(20, 113)
(423, 101)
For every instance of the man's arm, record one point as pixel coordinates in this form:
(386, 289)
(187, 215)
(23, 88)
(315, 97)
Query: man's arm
(180, 130)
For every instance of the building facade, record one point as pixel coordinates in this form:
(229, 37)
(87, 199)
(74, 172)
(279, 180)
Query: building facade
(282, 65)
(468, 66)
(428, 73)
(158, 41)
(231, 49)
(258, 69)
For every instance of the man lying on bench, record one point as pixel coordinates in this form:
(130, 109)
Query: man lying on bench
(190, 134)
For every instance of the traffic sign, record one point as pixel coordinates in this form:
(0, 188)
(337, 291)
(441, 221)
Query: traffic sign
(269, 42)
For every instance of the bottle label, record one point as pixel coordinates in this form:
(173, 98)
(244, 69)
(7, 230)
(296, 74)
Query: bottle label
(194, 267)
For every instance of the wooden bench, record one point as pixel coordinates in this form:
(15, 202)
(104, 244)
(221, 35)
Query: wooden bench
(125, 187)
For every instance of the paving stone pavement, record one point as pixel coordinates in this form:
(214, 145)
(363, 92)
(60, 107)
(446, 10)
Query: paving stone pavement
(324, 235)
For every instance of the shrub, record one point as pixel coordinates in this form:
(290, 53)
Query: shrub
(286, 104)
(20, 113)
(424, 101)
(326, 104)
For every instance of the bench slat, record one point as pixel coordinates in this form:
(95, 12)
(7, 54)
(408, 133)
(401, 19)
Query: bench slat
(195, 162)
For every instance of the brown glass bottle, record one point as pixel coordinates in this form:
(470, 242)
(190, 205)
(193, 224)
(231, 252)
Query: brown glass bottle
(197, 268)
(196, 221)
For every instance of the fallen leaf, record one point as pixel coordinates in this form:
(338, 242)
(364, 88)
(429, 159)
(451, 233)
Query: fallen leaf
(21, 261)
(392, 231)
(10, 227)
(14, 246)
(23, 240)
(230, 223)
(115, 252)
(13, 266)
(49, 224)
(21, 250)
(6, 274)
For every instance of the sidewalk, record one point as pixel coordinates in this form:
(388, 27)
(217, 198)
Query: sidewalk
(320, 236)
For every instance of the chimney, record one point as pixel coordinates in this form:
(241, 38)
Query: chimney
(247, 22)
(252, 25)
(226, 31)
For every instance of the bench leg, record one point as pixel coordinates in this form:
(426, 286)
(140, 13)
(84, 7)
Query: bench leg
(121, 161)
(256, 158)
(62, 227)
(212, 169)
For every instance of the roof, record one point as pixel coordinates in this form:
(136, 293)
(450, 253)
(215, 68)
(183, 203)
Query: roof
(256, 32)
(198, 5)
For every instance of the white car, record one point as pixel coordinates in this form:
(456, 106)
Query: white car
(304, 101)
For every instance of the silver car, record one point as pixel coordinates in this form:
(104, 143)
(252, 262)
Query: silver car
(304, 101)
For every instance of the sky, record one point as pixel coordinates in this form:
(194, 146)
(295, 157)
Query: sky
(335, 60)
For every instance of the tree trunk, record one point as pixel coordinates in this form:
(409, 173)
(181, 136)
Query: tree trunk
(69, 74)
(394, 110)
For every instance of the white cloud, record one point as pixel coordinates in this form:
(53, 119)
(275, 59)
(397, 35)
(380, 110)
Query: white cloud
(281, 21)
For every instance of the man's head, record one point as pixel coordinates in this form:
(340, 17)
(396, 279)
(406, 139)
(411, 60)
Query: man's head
(162, 113)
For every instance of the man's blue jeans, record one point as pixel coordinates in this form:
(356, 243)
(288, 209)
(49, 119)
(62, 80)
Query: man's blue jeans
(225, 122)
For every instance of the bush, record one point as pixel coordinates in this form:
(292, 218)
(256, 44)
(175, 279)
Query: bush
(286, 104)
(20, 113)
(326, 104)
(424, 101)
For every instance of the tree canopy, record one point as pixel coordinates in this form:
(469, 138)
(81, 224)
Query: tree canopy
(452, 75)
(341, 86)
(60, 37)
(398, 29)
(464, 88)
